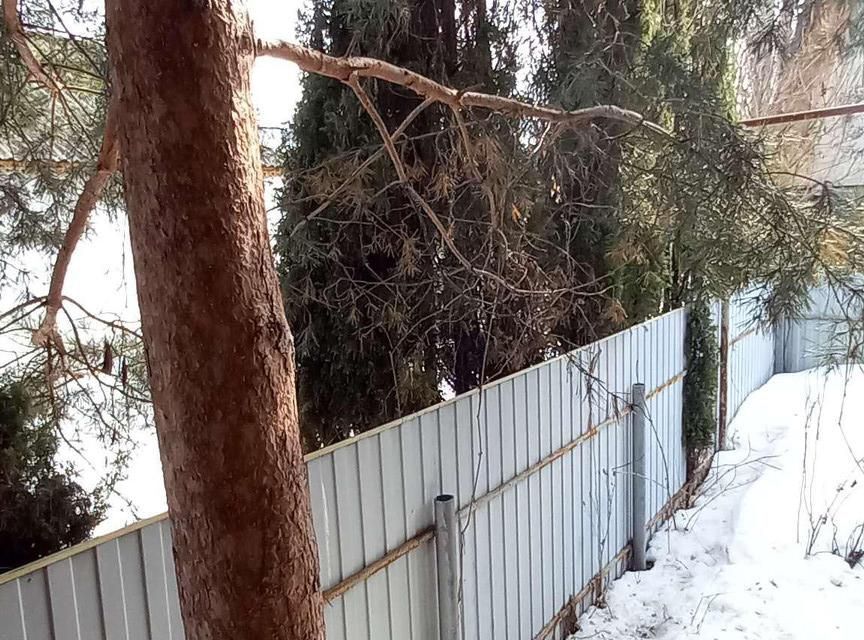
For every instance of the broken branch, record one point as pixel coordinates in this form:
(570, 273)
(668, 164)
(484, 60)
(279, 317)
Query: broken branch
(342, 69)
(16, 34)
(366, 164)
(353, 82)
(90, 194)
(94, 186)
(386, 138)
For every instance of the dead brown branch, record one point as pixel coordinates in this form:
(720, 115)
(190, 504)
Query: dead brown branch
(364, 99)
(368, 105)
(354, 82)
(19, 38)
(90, 194)
(366, 164)
(342, 69)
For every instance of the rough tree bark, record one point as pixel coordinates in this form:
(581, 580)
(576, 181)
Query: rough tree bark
(219, 348)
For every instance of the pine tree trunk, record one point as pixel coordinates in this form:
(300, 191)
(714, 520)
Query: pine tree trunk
(219, 348)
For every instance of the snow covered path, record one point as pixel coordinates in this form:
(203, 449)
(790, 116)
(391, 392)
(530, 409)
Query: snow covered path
(737, 565)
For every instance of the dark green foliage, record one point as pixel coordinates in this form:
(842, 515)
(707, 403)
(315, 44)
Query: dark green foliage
(700, 382)
(42, 509)
(590, 48)
(346, 285)
(662, 220)
(384, 314)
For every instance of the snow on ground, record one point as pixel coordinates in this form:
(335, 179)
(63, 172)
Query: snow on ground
(753, 558)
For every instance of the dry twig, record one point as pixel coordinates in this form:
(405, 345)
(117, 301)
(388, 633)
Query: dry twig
(418, 200)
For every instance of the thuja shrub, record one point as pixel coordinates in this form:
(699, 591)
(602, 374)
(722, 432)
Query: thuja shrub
(700, 381)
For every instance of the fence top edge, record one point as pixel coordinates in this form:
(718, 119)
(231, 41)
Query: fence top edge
(319, 453)
(75, 549)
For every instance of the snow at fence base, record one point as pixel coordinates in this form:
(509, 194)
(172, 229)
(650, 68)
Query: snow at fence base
(539, 463)
(753, 558)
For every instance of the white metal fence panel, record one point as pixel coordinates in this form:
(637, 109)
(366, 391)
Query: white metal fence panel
(122, 586)
(751, 353)
(564, 514)
(539, 463)
(826, 332)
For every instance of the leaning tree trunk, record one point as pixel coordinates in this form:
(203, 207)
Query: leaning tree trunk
(219, 349)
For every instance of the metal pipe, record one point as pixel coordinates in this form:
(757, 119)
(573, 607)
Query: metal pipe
(779, 344)
(798, 116)
(447, 553)
(640, 480)
(723, 383)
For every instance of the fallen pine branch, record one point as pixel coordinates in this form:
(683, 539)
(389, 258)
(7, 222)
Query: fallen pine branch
(343, 69)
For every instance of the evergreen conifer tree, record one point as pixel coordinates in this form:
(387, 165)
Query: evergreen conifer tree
(383, 318)
(42, 507)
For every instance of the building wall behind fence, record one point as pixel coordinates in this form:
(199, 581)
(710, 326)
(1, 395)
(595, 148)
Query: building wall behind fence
(539, 463)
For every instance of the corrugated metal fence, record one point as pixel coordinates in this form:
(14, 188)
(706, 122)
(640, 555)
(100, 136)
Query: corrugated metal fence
(750, 355)
(827, 331)
(539, 463)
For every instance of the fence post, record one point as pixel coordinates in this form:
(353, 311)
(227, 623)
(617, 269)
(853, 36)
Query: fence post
(780, 331)
(792, 356)
(723, 390)
(640, 479)
(447, 554)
